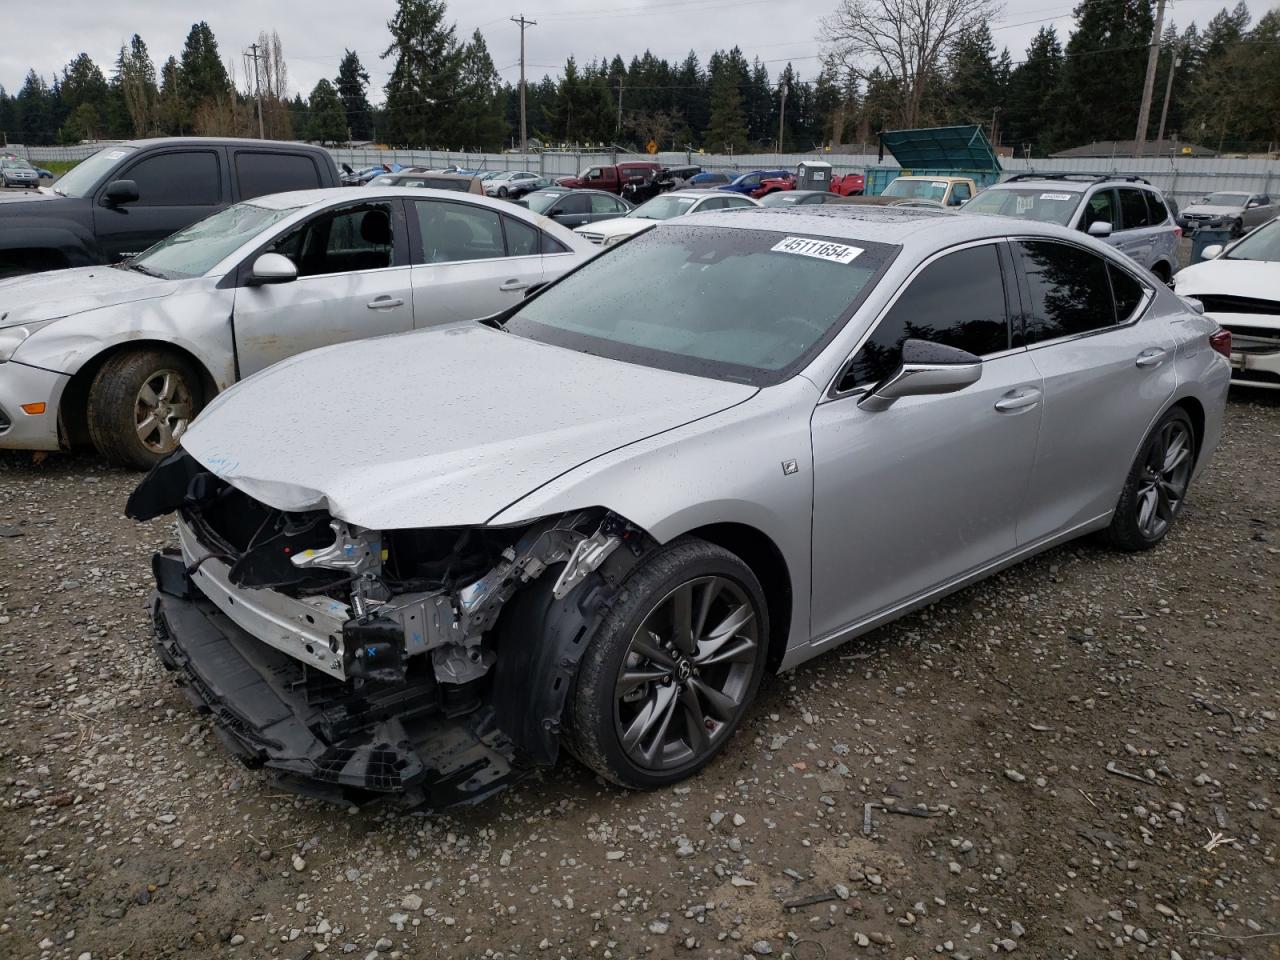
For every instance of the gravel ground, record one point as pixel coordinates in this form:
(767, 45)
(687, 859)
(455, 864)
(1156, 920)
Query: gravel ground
(1088, 748)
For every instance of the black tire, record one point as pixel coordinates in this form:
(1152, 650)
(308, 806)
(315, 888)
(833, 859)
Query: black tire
(116, 406)
(1127, 531)
(1237, 229)
(502, 192)
(592, 715)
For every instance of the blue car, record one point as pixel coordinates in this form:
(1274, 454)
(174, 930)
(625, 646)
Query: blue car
(748, 183)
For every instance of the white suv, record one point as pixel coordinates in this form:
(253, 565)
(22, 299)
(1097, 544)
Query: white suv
(1127, 212)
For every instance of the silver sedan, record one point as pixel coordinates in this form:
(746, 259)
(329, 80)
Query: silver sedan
(125, 356)
(725, 446)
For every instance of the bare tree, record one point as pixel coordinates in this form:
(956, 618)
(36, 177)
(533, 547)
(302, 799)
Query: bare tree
(908, 40)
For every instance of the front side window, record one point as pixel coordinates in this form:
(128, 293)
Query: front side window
(959, 194)
(574, 204)
(193, 251)
(958, 301)
(1100, 208)
(341, 241)
(743, 305)
(177, 180)
(1133, 209)
(455, 232)
(1070, 291)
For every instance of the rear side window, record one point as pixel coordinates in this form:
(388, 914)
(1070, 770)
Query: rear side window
(522, 239)
(190, 179)
(957, 300)
(263, 173)
(603, 204)
(1159, 212)
(453, 232)
(730, 202)
(552, 245)
(1128, 293)
(1070, 292)
(1133, 209)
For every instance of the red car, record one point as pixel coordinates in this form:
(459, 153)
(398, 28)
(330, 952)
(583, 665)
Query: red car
(848, 184)
(770, 185)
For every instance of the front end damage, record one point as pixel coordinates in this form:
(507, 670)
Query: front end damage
(428, 666)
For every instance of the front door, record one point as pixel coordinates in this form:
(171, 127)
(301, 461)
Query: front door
(353, 282)
(469, 261)
(910, 498)
(175, 189)
(1107, 375)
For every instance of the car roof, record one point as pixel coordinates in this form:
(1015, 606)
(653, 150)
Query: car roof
(404, 174)
(327, 195)
(214, 142)
(694, 192)
(904, 226)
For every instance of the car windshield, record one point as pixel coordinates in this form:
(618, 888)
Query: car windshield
(1226, 200)
(193, 251)
(663, 208)
(781, 199)
(1027, 203)
(744, 305)
(502, 176)
(14, 163)
(83, 178)
(542, 202)
(1262, 244)
(917, 189)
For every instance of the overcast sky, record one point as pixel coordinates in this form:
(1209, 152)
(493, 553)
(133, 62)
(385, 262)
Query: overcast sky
(315, 32)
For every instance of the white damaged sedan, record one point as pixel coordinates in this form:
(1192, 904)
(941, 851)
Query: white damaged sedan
(1240, 288)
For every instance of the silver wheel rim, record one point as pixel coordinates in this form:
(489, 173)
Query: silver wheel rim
(162, 411)
(686, 674)
(1164, 478)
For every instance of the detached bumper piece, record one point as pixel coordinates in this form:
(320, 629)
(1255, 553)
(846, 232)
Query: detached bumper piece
(337, 741)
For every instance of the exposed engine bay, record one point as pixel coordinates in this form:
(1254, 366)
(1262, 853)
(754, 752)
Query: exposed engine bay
(429, 664)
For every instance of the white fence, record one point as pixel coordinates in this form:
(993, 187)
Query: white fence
(1183, 178)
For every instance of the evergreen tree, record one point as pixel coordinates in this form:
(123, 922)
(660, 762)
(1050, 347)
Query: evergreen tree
(171, 116)
(478, 121)
(327, 118)
(84, 97)
(1218, 103)
(203, 75)
(1030, 106)
(727, 128)
(973, 82)
(693, 97)
(35, 111)
(136, 81)
(424, 78)
(351, 84)
(1106, 62)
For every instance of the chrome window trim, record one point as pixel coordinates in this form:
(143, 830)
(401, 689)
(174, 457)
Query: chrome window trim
(831, 393)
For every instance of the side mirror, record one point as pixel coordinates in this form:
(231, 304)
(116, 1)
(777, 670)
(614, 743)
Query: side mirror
(121, 192)
(1100, 228)
(1211, 252)
(927, 368)
(272, 268)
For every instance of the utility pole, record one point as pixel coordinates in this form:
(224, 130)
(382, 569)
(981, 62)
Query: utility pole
(524, 130)
(620, 104)
(1148, 86)
(257, 88)
(1174, 62)
(782, 116)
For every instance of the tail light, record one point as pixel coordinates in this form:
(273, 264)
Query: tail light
(1177, 232)
(1220, 340)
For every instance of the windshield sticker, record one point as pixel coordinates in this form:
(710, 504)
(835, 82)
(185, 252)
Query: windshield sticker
(116, 154)
(1055, 196)
(821, 249)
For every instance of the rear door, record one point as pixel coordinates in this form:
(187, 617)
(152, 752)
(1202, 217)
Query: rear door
(469, 261)
(1107, 374)
(175, 189)
(353, 282)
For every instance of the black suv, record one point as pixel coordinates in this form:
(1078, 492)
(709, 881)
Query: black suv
(129, 195)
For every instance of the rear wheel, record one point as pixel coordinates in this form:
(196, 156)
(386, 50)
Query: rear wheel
(1156, 488)
(1237, 229)
(671, 669)
(140, 404)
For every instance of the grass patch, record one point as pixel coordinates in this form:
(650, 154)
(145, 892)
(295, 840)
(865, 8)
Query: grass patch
(56, 167)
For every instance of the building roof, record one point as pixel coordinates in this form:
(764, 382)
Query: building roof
(1101, 149)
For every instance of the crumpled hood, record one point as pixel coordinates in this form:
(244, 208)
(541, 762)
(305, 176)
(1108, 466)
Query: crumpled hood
(1257, 279)
(442, 427)
(1204, 209)
(62, 293)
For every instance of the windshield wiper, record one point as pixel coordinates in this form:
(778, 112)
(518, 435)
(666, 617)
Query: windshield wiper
(145, 271)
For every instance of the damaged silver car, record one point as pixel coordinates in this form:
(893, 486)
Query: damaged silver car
(595, 520)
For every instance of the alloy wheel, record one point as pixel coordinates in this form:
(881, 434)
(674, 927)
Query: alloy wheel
(162, 410)
(687, 673)
(1164, 478)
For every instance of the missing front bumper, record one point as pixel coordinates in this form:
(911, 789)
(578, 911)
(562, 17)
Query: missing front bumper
(319, 736)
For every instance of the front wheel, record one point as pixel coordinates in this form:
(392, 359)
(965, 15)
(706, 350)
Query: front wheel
(1156, 487)
(1237, 229)
(672, 668)
(502, 192)
(140, 404)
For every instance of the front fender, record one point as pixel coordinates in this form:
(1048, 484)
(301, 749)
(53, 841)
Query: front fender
(75, 242)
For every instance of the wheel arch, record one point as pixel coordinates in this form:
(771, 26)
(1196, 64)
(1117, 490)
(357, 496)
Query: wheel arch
(73, 420)
(758, 551)
(1195, 410)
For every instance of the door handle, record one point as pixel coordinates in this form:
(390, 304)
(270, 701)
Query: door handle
(512, 285)
(384, 303)
(1152, 357)
(1017, 400)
